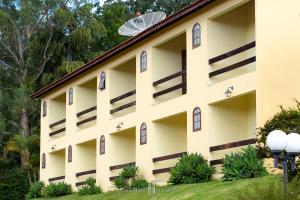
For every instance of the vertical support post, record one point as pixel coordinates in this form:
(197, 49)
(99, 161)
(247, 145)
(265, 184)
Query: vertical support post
(285, 177)
(183, 68)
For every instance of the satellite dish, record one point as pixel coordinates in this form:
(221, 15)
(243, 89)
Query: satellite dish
(141, 23)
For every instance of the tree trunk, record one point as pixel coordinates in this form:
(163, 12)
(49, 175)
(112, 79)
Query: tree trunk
(24, 123)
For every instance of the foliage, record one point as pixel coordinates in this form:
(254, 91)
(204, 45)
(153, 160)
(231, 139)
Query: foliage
(90, 188)
(287, 120)
(57, 189)
(243, 165)
(272, 190)
(129, 178)
(13, 182)
(191, 168)
(35, 190)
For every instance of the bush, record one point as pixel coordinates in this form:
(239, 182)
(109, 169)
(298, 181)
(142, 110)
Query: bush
(57, 189)
(243, 165)
(90, 188)
(35, 190)
(192, 168)
(129, 178)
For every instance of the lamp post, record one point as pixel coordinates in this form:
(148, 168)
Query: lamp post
(284, 148)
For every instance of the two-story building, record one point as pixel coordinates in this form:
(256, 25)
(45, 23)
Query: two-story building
(201, 80)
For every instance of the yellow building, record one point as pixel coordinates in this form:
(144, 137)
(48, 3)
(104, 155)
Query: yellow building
(202, 80)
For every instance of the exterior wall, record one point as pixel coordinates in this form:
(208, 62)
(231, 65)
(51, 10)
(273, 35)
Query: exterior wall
(225, 25)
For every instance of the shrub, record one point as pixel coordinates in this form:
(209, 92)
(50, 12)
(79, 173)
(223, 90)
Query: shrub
(139, 183)
(90, 188)
(129, 178)
(192, 168)
(57, 189)
(35, 190)
(243, 165)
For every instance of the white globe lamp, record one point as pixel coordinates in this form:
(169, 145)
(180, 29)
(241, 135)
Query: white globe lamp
(277, 140)
(293, 143)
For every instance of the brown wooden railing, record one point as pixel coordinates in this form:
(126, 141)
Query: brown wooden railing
(216, 162)
(181, 85)
(112, 178)
(114, 167)
(232, 145)
(167, 157)
(57, 131)
(80, 183)
(56, 178)
(229, 54)
(57, 123)
(93, 171)
(123, 96)
(89, 119)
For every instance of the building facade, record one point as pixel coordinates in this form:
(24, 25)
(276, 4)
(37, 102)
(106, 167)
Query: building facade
(202, 80)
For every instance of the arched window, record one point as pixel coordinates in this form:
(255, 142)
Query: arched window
(197, 119)
(43, 161)
(143, 134)
(102, 145)
(44, 108)
(196, 35)
(70, 96)
(143, 61)
(70, 153)
(102, 81)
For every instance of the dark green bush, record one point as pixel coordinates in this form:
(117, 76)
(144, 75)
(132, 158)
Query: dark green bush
(192, 168)
(243, 164)
(129, 178)
(35, 190)
(139, 183)
(90, 188)
(57, 189)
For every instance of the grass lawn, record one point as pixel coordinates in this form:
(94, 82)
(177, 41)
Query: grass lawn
(214, 190)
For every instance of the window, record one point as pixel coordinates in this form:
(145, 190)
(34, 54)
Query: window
(102, 81)
(70, 96)
(44, 108)
(143, 61)
(102, 145)
(70, 153)
(43, 161)
(197, 119)
(143, 134)
(196, 35)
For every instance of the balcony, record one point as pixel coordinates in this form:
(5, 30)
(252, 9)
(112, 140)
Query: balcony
(86, 101)
(170, 143)
(169, 69)
(231, 43)
(56, 166)
(123, 146)
(57, 116)
(123, 88)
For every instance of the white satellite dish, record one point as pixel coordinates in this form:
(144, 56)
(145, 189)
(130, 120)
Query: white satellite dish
(141, 23)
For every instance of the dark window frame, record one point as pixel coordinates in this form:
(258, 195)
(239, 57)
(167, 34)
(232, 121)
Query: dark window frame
(196, 35)
(196, 119)
(44, 109)
(102, 81)
(143, 134)
(43, 161)
(71, 96)
(70, 154)
(102, 145)
(143, 61)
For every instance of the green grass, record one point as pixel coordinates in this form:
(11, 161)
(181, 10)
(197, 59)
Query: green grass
(209, 191)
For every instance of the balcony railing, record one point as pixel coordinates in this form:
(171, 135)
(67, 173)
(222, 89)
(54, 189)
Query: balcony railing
(93, 171)
(181, 85)
(229, 54)
(121, 97)
(121, 166)
(89, 119)
(228, 146)
(163, 158)
(55, 124)
(56, 178)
